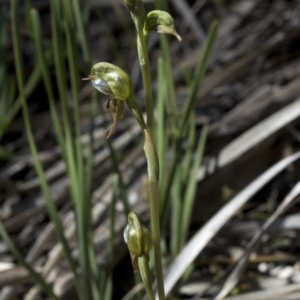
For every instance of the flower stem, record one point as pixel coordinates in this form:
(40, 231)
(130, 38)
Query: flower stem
(149, 147)
(153, 172)
(136, 111)
(145, 274)
(144, 62)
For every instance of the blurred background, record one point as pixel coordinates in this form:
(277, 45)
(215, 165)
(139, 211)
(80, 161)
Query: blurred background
(248, 104)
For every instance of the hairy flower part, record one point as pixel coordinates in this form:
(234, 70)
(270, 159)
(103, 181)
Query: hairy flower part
(160, 21)
(116, 107)
(137, 236)
(111, 80)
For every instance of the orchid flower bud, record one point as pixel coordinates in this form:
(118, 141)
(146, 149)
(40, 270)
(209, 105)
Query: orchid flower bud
(111, 80)
(137, 237)
(160, 21)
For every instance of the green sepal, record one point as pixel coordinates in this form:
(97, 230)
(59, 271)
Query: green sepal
(137, 236)
(160, 21)
(111, 80)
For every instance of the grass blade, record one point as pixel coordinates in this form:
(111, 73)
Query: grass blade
(176, 213)
(200, 71)
(206, 233)
(49, 202)
(190, 192)
(30, 85)
(81, 31)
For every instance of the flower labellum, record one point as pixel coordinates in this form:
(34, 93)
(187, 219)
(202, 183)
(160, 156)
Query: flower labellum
(116, 107)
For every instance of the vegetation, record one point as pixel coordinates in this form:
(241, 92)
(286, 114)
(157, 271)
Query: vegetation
(90, 283)
(104, 122)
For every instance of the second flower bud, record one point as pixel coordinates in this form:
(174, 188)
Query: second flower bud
(137, 236)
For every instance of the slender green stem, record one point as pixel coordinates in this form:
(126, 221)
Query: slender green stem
(153, 172)
(145, 274)
(136, 111)
(161, 123)
(150, 151)
(144, 62)
(155, 226)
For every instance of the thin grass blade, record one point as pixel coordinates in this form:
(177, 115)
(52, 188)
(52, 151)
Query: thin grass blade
(50, 204)
(190, 192)
(200, 71)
